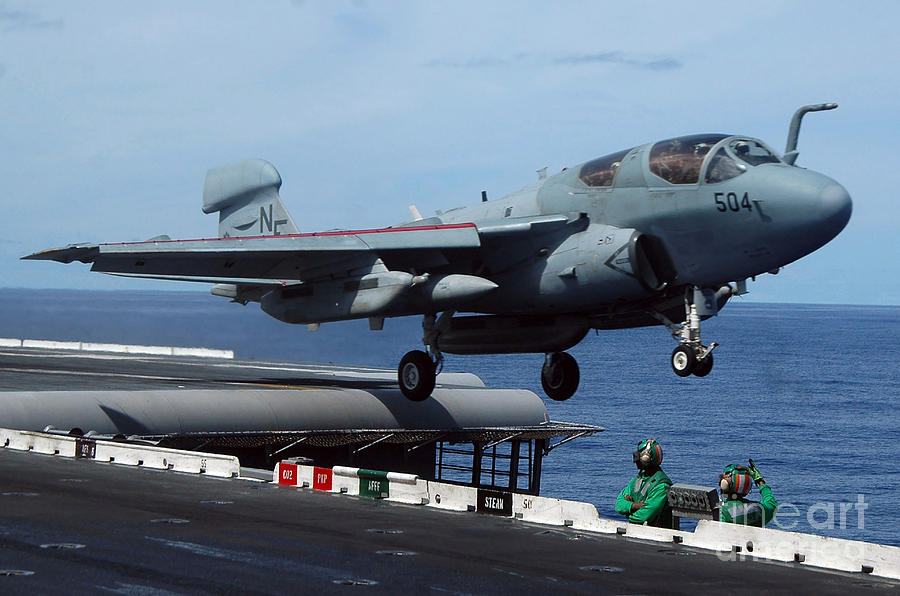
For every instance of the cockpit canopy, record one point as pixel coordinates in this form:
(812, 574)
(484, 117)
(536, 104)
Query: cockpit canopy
(678, 161)
(681, 160)
(601, 171)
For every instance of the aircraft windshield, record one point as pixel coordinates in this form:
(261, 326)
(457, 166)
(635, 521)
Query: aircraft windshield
(723, 167)
(732, 160)
(601, 171)
(678, 161)
(752, 152)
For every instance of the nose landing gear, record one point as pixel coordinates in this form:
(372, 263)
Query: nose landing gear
(691, 357)
(704, 366)
(685, 360)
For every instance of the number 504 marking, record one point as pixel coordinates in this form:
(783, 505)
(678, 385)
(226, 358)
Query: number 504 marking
(730, 202)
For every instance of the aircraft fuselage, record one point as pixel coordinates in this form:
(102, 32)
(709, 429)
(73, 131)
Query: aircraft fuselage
(704, 232)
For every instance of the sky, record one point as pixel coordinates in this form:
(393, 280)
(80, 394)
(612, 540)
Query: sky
(113, 111)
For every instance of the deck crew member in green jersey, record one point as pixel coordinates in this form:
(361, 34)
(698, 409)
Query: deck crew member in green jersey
(735, 483)
(644, 500)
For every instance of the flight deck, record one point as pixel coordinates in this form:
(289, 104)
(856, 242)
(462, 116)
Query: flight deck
(74, 524)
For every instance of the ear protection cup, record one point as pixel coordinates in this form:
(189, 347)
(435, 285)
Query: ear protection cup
(735, 481)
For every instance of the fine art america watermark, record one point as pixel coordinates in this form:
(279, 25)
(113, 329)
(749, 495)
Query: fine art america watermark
(821, 516)
(824, 515)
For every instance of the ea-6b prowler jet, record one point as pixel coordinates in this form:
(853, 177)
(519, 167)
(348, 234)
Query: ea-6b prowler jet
(655, 234)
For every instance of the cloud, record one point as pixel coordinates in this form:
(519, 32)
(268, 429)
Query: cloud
(24, 20)
(620, 58)
(615, 58)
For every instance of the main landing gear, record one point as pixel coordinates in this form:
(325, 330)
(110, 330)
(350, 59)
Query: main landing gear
(691, 357)
(560, 376)
(418, 370)
(416, 375)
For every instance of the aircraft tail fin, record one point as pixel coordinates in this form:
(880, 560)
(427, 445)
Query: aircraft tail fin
(246, 196)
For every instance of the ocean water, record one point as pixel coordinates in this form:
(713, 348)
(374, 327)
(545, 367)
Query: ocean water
(809, 392)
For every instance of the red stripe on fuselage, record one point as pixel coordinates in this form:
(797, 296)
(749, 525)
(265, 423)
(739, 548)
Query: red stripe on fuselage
(309, 235)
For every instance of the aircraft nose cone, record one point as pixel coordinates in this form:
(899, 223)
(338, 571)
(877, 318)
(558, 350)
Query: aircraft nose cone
(835, 207)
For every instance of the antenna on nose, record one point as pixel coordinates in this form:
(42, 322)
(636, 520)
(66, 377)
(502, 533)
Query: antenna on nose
(790, 150)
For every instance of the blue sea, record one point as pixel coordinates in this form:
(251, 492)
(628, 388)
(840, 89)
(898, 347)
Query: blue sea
(810, 392)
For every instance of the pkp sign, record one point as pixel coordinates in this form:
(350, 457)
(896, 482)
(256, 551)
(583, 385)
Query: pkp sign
(322, 478)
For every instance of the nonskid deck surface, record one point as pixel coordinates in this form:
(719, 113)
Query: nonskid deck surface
(80, 526)
(55, 370)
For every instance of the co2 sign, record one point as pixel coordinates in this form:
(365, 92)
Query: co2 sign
(287, 474)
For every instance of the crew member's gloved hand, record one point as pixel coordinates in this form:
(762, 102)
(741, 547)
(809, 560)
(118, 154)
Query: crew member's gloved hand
(754, 473)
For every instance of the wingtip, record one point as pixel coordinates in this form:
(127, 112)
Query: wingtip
(41, 254)
(65, 254)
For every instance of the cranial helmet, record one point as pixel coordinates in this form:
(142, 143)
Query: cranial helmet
(735, 481)
(649, 453)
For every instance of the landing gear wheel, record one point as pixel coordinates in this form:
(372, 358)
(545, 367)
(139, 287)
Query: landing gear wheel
(560, 376)
(704, 366)
(684, 361)
(416, 375)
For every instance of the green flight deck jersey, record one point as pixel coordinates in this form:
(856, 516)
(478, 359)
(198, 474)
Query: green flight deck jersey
(750, 513)
(652, 491)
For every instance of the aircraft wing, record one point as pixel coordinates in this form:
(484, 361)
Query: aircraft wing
(275, 259)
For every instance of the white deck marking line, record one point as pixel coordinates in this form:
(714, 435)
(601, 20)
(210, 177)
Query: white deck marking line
(316, 368)
(82, 373)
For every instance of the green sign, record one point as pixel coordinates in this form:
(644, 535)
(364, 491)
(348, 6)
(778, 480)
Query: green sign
(373, 484)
